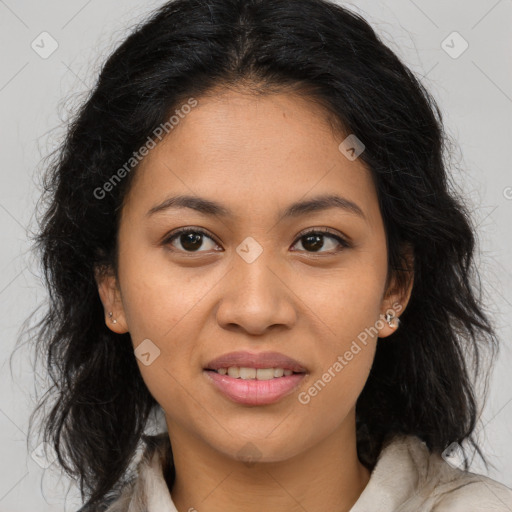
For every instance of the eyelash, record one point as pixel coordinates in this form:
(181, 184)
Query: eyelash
(317, 231)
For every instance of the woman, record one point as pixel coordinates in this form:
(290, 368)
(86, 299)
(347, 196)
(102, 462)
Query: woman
(251, 231)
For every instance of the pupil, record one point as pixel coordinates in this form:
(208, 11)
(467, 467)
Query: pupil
(190, 240)
(316, 244)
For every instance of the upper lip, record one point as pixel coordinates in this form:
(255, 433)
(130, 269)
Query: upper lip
(256, 360)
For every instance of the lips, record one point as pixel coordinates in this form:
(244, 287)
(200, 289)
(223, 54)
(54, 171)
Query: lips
(256, 360)
(254, 392)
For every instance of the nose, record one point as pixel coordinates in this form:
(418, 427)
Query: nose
(256, 297)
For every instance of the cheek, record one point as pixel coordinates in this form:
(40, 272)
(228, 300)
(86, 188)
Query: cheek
(162, 306)
(347, 307)
(158, 297)
(345, 303)
(346, 359)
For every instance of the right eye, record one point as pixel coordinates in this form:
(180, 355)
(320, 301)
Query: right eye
(190, 239)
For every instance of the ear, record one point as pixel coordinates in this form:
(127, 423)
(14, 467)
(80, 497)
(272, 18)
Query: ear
(110, 295)
(397, 297)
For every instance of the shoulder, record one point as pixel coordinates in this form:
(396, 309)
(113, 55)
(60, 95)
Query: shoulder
(478, 494)
(459, 490)
(448, 488)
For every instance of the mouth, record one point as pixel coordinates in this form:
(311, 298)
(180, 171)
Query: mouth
(259, 361)
(248, 373)
(255, 379)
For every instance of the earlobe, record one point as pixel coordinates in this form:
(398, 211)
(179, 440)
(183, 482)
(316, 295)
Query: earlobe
(110, 296)
(389, 321)
(398, 298)
(392, 319)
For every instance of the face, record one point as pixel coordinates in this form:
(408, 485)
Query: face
(253, 275)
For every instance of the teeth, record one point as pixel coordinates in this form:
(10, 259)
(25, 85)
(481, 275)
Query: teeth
(264, 373)
(234, 371)
(247, 373)
(253, 373)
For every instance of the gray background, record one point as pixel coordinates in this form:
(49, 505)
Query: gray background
(36, 95)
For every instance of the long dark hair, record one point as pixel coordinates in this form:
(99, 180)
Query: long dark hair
(421, 382)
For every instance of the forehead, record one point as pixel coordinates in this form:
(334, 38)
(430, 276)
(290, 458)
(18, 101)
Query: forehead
(252, 153)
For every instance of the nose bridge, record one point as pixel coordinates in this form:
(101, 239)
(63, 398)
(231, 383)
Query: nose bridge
(254, 281)
(256, 296)
(254, 273)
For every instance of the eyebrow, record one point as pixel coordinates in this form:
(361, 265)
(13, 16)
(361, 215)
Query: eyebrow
(212, 208)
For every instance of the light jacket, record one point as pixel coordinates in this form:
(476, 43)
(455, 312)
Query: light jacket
(406, 478)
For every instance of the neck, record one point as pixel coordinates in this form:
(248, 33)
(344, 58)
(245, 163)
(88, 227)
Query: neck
(328, 476)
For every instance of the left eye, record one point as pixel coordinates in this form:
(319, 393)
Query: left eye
(314, 240)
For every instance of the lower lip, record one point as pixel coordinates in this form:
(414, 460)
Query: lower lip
(255, 392)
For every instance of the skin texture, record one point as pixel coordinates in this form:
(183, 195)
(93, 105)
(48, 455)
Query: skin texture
(255, 156)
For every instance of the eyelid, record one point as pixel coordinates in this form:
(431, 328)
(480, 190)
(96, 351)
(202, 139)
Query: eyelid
(324, 231)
